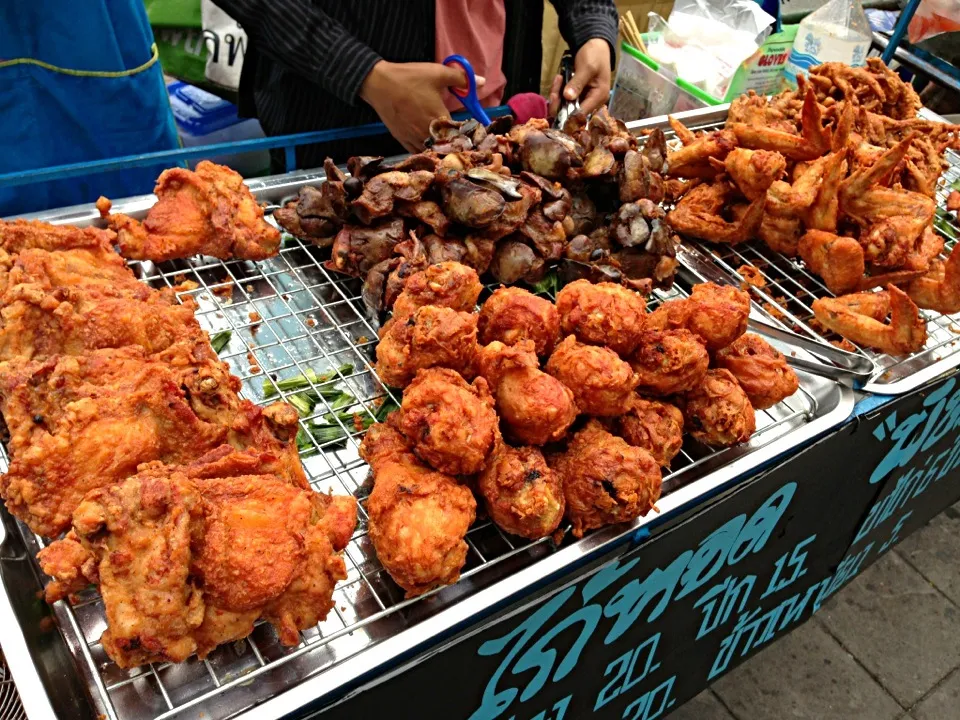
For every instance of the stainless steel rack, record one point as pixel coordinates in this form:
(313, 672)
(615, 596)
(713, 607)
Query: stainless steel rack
(289, 315)
(791, 289)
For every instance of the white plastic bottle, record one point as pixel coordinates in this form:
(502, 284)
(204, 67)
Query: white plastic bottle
(837, 32)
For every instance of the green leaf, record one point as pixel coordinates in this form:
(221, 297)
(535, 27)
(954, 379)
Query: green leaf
(302, 403)
(955, 185)
(548, 285)
(945, 224)
(219, 340)
(307, 381)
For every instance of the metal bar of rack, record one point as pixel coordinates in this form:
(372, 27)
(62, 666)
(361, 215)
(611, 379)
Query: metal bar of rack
(288, 315)
(790, 289)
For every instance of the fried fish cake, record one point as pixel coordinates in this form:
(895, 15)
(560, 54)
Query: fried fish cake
(512, 315)
(761, 370)
(718, 411)
(601, 382)
(603, 314)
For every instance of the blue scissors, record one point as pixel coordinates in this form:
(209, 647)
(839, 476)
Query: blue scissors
(469, 96)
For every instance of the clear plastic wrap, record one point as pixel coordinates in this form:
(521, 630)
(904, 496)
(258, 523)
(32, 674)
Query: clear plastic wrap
(837, 32)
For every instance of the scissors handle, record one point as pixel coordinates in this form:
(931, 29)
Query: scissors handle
(469, 96)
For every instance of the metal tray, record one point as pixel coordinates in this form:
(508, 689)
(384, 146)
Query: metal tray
(288, 314)
(791, 289)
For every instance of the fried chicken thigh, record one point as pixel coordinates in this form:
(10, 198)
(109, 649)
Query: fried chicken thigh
(602, 314)
(521, 493)
(208, 211)
(669, 361)
(655, 426)
(718, 411)
(760, 370)
(450, 424)
(512, 315)
(605, 480)
(418, 517)
(601, 382)
(178, 554)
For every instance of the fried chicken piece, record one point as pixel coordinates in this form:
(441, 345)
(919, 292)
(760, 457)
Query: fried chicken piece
(717, 314)
(859, 318)
(718, 411)
(753, 171)
(669, 361)
(693, 159)
(178, 555)
(761, 370)
(418, 517)
(814, 140)
(448, 284)
(494, 359)
(601, 382)
(605, 480)
(19, 235)
(780, 228)
(602, 314)
(698, 215)
(429, 337)
(838, 260)
(535, 407)
(207, 211)
(939, 289)
(655, 426)
(450, 424)
(512, 315)
(824, 211)
(753, 109)
(523, 496)
(35, 323)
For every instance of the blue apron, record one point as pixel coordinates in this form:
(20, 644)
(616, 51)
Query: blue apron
(78, 82)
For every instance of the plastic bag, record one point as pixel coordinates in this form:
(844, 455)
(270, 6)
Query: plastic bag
(705, 41)
(226, 43)
(837, 32)
(934, 17)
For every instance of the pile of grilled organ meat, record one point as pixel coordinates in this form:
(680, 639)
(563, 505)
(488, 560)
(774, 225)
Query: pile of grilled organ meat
(508, 199)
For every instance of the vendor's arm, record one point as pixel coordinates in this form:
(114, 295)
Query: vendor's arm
(590, 29)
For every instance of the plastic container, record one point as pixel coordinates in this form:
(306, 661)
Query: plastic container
(205, 119)
(837, 32)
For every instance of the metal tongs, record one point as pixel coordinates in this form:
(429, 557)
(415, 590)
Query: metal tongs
(567, 107)
(838, 364)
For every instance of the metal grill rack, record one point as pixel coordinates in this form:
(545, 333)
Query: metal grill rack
(791, 289)
(290, 315)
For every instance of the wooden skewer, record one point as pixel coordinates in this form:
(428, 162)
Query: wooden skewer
(627, 32)
(636, 31)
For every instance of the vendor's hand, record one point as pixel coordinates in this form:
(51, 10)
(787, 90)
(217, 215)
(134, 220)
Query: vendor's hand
(408, 96)
(590, 81)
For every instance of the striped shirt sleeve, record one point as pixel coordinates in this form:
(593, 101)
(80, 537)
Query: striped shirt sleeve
(306, 41)
(583, 20)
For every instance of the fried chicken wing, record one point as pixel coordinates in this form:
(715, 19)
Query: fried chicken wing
(535, 407)
(207, 211)
(838, 260)
(698, 214)
(601, 382)
(814, 140)
(605, 480)
(450, 424)
(669, 361)
(939, 289)
(429, 337)
(693, 159)
(178, 555)
(602, 314)
(718, 411)
(447, 284)
(521, 493)
(35, 323)
(760, 370)
(418, 517)
(512, 315)
(753, 171)
(859, 318)
(655, 426)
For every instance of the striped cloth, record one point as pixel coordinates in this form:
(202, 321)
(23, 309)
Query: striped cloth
(308, 58)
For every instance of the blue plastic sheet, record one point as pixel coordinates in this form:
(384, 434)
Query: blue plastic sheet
(77, 84)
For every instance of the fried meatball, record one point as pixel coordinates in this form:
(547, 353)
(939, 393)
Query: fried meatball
(669, 361)
(717, 314)
(602, 383)
(605, 480)
(522, 495)
(761, 370)
(536, 408)
(447, 284)
(718, 411)
(655, 426)
(450, 424)
(513, 314)
(418, 517)
(602, 314)
(429, 337)
(494, 359)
